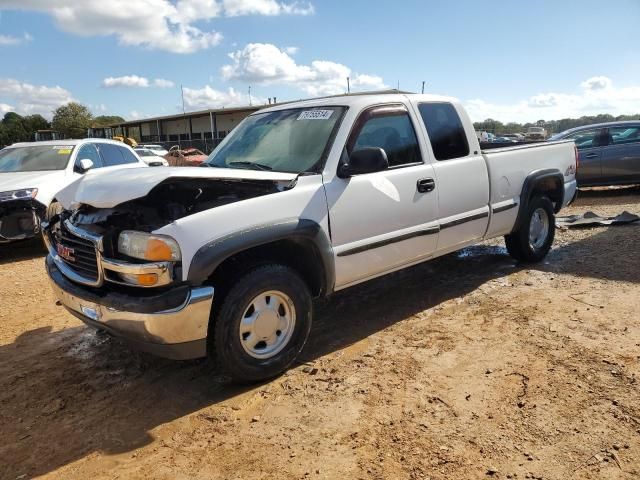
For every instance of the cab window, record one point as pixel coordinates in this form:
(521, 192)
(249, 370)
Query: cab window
(391, 129)
(446, 132)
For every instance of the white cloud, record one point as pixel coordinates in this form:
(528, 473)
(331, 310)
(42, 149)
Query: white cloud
(207, 97)
(135, 115)
(30, 99)
(128, 81)
(163, 83)
(159, 24)
(10, 40)
(264, 63)
(100, 107)
(234, 8)
(5, 108)
(291, 50)
(135, 81)
(595, 95)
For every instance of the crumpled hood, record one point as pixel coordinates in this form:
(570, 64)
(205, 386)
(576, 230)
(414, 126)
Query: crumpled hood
(47, 182)
(112, 188)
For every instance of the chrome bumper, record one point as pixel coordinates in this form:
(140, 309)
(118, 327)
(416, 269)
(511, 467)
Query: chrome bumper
(108, 268)
(178, 333)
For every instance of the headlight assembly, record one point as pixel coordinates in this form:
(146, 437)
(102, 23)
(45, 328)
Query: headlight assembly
(22, 194)
(146, 246)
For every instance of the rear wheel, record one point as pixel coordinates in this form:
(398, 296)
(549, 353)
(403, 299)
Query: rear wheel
(262, 324)
(532, 241)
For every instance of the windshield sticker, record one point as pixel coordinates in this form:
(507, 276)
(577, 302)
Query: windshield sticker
(64, 151)
(315, 115)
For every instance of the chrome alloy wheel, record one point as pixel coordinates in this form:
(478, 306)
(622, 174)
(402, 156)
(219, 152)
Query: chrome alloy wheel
(267, 324)
(538, 228)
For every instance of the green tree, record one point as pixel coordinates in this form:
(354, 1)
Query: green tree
(33, 123)
(106, 120)
(13, 129)
(72, 120)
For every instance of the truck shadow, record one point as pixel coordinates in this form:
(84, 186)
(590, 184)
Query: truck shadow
(611, 254)
(69, 393)
(22, 250)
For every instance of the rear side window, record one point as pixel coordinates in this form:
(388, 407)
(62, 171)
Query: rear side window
(446, 133)
(624, 135)
(389, 128)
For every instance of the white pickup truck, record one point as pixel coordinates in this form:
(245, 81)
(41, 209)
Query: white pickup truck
(299, 201)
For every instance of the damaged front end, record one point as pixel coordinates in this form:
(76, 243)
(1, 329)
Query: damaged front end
(117, 246)
(99, 258)
(20, 219)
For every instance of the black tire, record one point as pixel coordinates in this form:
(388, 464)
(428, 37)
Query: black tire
(225, 347)
(518, 244)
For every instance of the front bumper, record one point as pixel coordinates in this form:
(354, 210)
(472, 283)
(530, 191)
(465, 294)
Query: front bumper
(19, 221)
(178, 332)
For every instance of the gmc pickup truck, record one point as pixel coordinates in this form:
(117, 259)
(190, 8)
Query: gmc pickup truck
(299, 201)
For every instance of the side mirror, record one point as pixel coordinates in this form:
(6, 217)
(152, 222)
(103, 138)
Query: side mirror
(84, 165)
(364, 160)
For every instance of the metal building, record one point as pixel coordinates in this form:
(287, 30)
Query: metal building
(203, 129)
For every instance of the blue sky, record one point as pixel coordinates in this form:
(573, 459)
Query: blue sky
(510, 60)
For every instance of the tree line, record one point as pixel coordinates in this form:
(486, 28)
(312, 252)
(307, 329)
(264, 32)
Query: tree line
(71, 121)
(552, 126)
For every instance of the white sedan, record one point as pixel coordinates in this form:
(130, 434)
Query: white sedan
(156, 149)
(31, 174)
(151, 158)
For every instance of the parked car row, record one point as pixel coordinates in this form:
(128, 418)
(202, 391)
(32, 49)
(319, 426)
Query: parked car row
(488, 137)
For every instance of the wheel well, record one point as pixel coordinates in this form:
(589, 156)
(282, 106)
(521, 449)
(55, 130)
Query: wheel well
(299, 254)
(551, 187)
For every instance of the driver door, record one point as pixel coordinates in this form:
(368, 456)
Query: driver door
(384, 220)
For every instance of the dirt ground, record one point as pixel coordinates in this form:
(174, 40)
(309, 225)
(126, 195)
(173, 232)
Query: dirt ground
(469, 366)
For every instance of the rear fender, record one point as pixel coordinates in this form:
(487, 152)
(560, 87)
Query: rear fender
(549, 181)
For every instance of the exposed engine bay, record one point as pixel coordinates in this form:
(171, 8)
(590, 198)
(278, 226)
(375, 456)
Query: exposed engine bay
(170, 200)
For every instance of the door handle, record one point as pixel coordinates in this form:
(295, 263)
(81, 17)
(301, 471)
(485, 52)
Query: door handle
(591, 155)
(425, 185)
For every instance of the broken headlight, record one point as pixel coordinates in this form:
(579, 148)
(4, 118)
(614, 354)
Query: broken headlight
(147, 246)
(22, 194)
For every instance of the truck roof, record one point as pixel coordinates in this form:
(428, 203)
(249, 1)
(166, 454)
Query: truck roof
(359, 100)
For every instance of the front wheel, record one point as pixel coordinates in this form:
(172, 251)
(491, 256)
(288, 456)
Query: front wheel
(262, 324)
(532, 241)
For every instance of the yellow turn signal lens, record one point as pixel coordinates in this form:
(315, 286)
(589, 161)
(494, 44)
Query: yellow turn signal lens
(158, 250)
(147, 279)
(142, 279)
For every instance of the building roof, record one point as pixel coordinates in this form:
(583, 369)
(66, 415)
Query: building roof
(201, 113)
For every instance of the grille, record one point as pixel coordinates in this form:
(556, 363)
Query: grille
(81, 254)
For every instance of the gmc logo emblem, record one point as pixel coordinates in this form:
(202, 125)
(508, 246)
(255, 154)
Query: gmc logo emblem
(66, 253)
